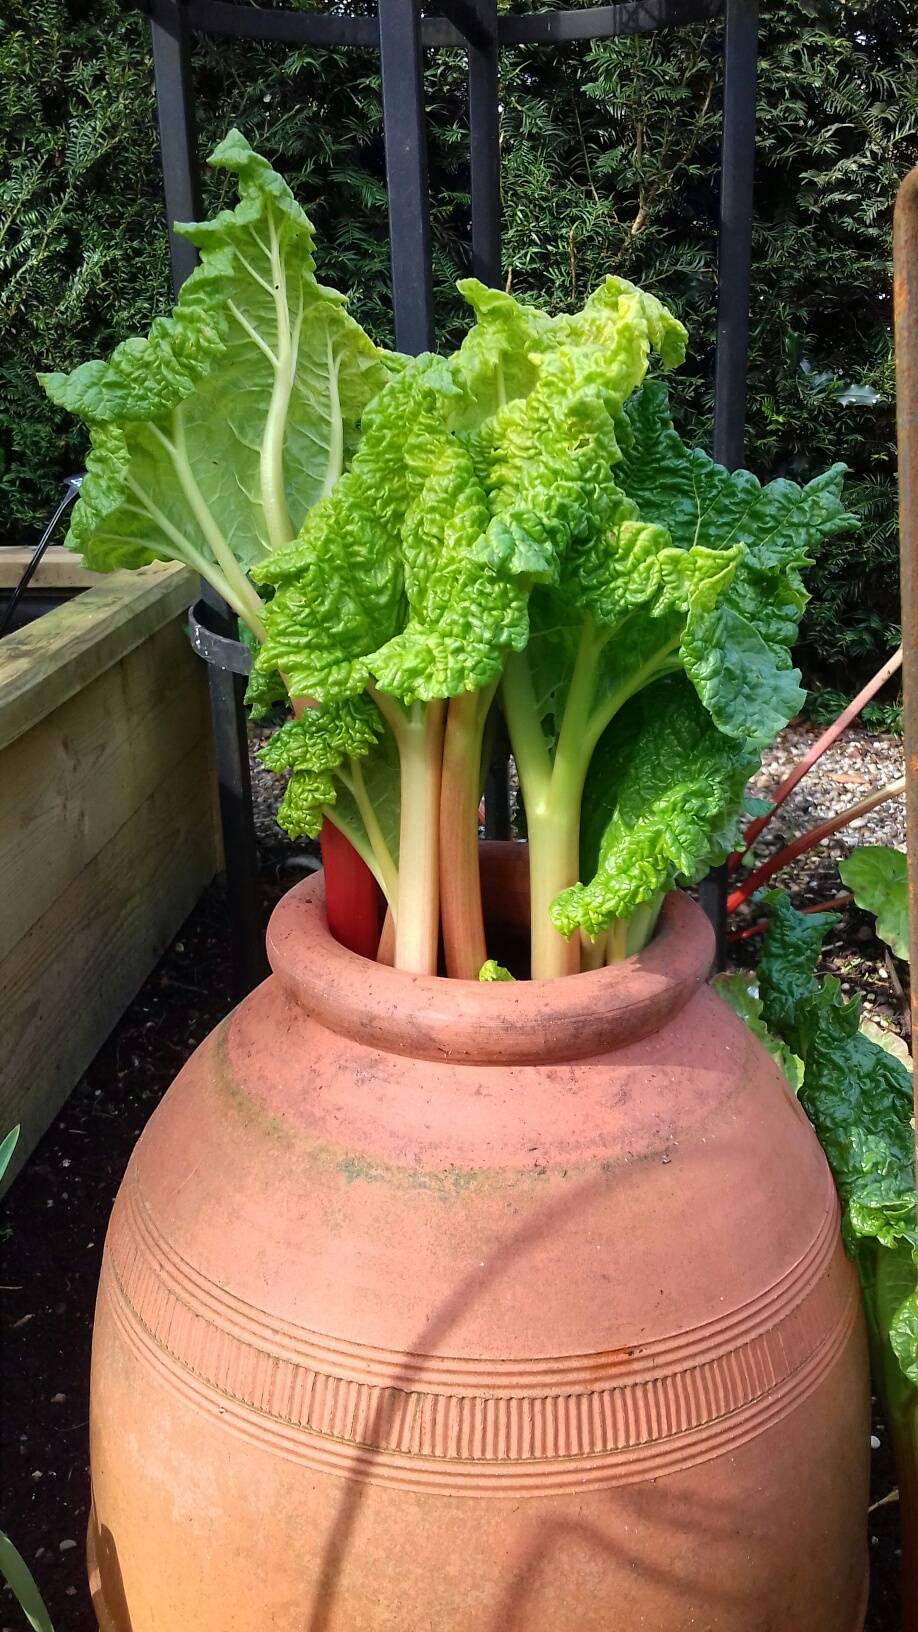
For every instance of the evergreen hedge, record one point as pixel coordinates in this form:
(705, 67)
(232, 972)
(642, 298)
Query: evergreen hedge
(610, 155)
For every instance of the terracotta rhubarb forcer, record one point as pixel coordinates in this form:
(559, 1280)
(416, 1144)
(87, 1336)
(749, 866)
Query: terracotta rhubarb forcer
(507, 1308)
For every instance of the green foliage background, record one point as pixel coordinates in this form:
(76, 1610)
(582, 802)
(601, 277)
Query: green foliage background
(610, 155)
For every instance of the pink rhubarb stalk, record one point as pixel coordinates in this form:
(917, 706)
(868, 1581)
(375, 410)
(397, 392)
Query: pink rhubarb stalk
(819, 747)
(460, 795)
(761, 874)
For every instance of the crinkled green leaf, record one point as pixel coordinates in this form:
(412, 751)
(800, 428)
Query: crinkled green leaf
(857, 1095)
(500, 356)
(492, 970)
(746, 691)
(340, 587)
(322, 738)
(462, 615)
(418, 567)
(497, 358)
(741, 993)
(543, 456)
(878, 876)
(788, 960)
(738, 655)
(214, 435)
(662, 779)
(344, 766)
(307, 797)
(614, 306)
(884, 1037)
(262, 692)
(699, 502)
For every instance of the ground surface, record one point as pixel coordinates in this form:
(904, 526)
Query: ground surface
(54, 1219)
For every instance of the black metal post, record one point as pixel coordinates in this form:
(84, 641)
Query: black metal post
(484, 150)
(169, 30)
(401, 73)
(734, 253)
(484, 168)
(175, 118)
(734, 257)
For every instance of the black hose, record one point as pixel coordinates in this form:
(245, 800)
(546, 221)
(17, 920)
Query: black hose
(71, 489)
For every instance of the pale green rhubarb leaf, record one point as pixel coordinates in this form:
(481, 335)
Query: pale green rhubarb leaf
(462, 615)
(344, 766)
(214, 435)
(340, 587)
(662, 781)
(622, 609)
(322, 738)
(500, 358)
(415, 573)
(491, 970)
(262, 691)
(878, 876)
(543, 452)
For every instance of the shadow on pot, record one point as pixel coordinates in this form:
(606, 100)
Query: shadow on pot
(111, 1612)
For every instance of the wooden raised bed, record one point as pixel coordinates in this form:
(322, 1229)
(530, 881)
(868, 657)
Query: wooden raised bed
(108, 823)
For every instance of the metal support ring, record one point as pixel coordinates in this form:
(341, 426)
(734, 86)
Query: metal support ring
(220, 651)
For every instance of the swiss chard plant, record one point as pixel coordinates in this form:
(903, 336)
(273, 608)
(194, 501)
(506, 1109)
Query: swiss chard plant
(416, 543)
(857, 1092)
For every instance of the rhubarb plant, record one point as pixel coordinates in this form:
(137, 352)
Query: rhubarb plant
(477, 478)
(413, 544)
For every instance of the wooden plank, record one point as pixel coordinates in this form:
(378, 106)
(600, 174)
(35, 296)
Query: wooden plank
(67, 982)
(59, 568)
(68, 785)
(47, 661)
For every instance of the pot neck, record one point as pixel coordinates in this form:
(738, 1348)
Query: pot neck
(466, 1021)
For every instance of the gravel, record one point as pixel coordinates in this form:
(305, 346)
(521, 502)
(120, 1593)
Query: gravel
(852, 768)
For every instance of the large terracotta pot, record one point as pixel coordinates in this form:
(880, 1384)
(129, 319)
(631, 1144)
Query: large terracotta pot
(437, 1307)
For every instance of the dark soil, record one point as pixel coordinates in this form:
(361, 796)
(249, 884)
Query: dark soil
(52, 1232)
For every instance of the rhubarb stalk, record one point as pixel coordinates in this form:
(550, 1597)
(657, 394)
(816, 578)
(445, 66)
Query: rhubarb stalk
(806, 841)
(830, 735)
(419, 733)
(460, 796)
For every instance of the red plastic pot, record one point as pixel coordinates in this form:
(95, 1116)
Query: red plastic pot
(507, 1308)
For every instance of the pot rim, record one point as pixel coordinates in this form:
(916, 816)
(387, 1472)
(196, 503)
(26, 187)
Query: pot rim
(481, 1022)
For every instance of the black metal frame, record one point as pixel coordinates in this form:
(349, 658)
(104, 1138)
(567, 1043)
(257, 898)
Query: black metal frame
(401, 34)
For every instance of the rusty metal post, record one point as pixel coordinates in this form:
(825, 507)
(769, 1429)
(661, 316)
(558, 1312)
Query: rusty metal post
(905, 279)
